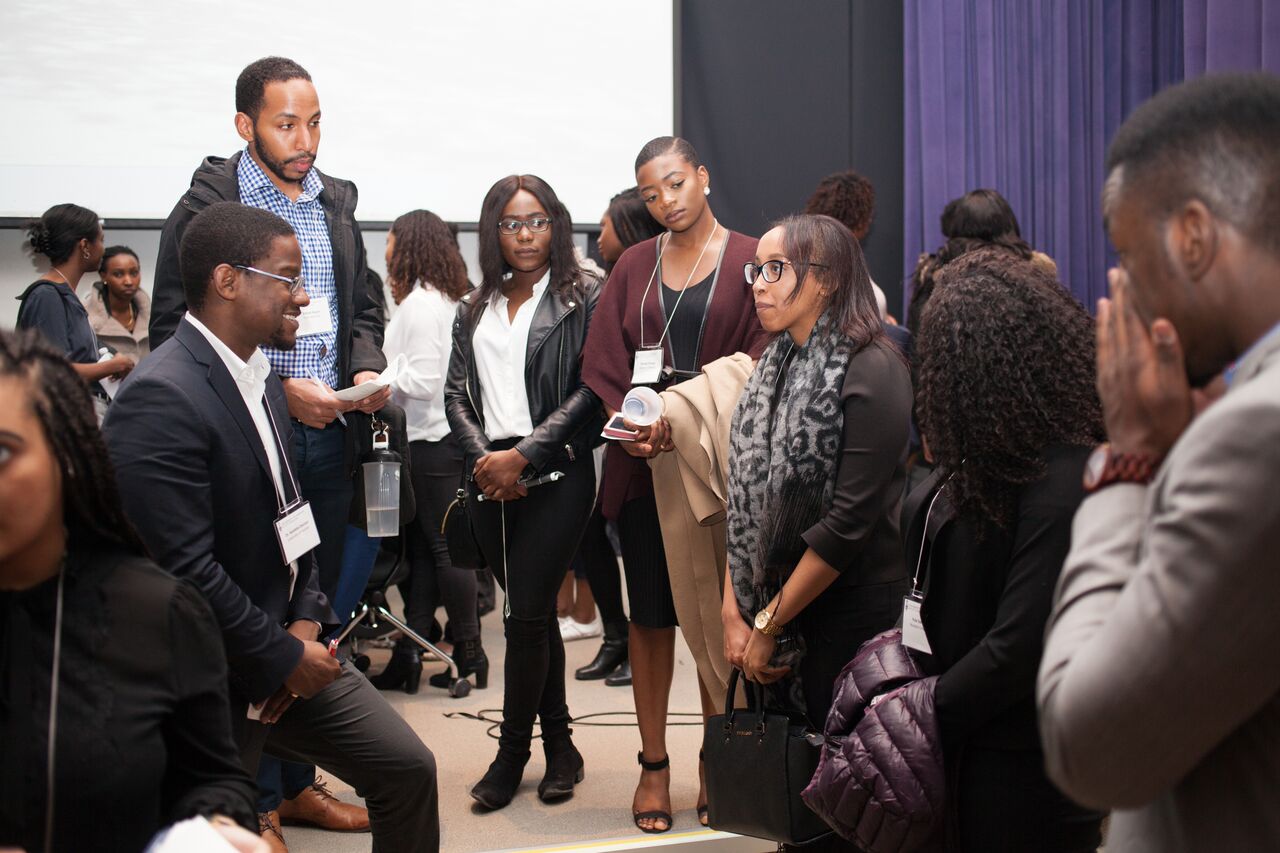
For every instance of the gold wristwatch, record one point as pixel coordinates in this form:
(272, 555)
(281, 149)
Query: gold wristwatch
(765, 624)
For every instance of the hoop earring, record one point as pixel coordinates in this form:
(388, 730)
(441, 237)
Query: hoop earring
(86, 255)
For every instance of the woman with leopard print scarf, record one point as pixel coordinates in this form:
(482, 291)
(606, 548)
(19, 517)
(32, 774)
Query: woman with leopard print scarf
(815, 471)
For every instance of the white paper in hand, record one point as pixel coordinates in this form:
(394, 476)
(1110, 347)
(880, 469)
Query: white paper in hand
(356, 393)
(193, 835)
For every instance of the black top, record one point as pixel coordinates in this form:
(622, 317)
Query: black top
(987, 602)
(144, 731)
(858, 536)
(686, 329)
(54, 309)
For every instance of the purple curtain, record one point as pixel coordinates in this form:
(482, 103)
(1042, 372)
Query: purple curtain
(1231, 35)
(1021, 96)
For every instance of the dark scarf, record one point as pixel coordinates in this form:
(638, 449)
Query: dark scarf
(787, 431)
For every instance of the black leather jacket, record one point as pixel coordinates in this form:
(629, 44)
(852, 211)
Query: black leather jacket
(567, 415)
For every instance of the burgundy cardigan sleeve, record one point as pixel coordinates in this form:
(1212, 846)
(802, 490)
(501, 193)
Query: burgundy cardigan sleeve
(606, 357)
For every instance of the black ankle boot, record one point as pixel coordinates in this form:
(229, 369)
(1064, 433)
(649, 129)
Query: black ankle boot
(621, 676)
(612, 654)
(470, 658)
(501, 781)
(403, 670)
(565, 767)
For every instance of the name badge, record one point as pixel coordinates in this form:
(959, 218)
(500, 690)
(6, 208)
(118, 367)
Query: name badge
(315, 319)
(647, 369)
(296, 529)
(913, 635)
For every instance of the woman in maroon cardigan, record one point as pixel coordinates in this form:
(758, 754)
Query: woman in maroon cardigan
(680, 297)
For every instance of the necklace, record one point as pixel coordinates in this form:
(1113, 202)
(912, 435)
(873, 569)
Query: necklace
(662, 248)
(61, 276)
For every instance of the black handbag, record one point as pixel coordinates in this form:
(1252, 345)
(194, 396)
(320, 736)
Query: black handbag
(757, 764)
(458, 535)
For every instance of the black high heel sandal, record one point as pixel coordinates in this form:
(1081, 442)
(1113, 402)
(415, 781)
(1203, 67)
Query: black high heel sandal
(654, 815)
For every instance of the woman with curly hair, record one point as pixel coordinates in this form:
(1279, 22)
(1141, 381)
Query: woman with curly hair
(1007, 404)
(427, 277)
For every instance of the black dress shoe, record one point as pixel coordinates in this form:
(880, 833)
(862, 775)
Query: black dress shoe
(621, 676)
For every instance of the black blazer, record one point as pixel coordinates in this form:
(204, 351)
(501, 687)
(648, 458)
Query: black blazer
(988, 596)
(567, 415)
(194, 479)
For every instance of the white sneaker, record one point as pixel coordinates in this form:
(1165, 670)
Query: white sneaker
(571, 629)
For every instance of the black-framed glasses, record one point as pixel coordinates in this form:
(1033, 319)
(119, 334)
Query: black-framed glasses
(295, 284)
(536, 224)
(770, 271)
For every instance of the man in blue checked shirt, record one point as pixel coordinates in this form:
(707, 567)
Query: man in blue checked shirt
(339, 341)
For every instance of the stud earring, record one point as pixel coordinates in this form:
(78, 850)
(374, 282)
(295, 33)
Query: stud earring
(706, 190)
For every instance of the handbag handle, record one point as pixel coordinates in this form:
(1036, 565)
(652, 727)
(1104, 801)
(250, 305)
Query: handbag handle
(755, 702)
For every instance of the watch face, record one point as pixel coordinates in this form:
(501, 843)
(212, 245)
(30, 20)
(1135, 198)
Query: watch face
(1096, 465)
(762, 620)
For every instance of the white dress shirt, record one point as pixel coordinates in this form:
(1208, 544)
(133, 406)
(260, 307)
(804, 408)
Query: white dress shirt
(422, 330)
(501, 348)
(251, 380)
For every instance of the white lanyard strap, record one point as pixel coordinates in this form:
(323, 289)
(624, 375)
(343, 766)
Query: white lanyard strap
(924, 542)
(658, 265)
(284, 456)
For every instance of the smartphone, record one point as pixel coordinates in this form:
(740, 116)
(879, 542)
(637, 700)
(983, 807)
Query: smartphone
(616, 429)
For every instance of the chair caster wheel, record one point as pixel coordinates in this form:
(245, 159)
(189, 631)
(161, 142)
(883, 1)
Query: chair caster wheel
(460, 688)
(361, 662)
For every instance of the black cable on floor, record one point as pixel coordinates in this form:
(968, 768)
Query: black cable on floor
(482, 717)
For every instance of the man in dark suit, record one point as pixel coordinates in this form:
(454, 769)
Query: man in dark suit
(200, 438)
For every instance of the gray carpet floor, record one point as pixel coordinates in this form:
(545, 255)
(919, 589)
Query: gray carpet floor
(601, 807)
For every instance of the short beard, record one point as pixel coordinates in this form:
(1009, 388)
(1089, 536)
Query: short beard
(275, 167)
(277, 341)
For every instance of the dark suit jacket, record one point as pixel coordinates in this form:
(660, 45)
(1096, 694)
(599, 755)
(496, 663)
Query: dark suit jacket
(194, 479)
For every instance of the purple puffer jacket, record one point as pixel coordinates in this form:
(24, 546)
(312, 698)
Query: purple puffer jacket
(880, 782)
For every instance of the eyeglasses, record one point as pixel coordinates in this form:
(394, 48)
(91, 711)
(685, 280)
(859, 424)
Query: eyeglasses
(770, 271)
(295, 283)
(537, 224)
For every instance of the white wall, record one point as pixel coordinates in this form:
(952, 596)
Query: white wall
(425, 104)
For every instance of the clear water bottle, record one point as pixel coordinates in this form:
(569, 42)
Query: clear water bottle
(382, 488)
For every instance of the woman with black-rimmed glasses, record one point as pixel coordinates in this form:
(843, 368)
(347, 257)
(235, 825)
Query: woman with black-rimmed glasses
(816, 459)
(526, 422)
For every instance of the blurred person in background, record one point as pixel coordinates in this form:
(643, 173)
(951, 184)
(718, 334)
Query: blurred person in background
(119, 310)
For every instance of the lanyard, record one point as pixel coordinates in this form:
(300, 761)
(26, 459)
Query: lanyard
(288, 469)
(925, 542)
(662, 248)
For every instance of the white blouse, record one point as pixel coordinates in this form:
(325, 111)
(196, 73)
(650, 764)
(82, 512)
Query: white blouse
(422, 329)
(501, 348)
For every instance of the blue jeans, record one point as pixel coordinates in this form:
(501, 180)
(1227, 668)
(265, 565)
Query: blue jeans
(319, 464)
(358, 557)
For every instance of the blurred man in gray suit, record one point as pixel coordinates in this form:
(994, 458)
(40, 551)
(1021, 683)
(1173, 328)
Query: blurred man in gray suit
(1159, 690)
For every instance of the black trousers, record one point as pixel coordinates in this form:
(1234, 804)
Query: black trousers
(541, 533)
(349, 729)
(834, 626)
(433, 578)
